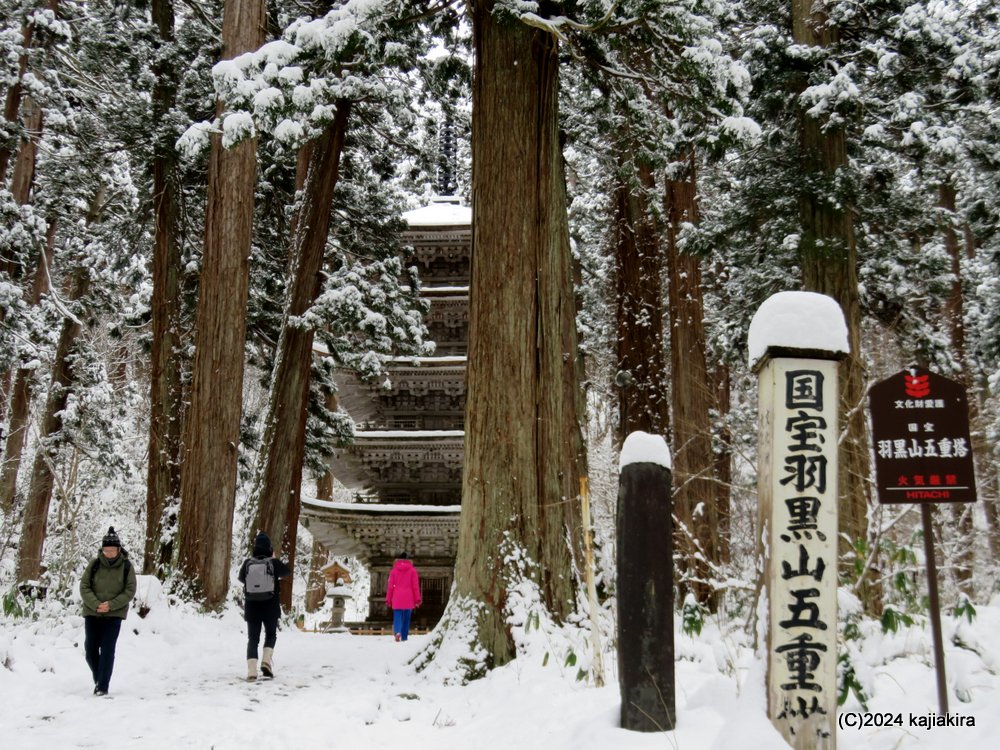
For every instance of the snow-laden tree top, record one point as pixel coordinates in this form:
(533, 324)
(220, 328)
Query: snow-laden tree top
(797, 320)
(643, 448)
(358, 51)
(439, 215)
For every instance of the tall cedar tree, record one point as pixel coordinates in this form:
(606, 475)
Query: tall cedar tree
(641, 344)
(279, 485)
(163, 478)
(701, 517)
(828, 254)
(212, 428)
(523, 447)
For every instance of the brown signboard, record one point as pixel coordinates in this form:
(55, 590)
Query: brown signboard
(920, 435)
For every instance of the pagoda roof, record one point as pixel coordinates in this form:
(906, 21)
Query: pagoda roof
(367, 400)
(362, 464)
(442, 213)
(372, 531)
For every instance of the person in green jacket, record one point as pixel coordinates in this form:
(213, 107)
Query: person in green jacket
(107, 587)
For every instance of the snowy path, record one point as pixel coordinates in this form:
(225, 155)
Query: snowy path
(178, 684)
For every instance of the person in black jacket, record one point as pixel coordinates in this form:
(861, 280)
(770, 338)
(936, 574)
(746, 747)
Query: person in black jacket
(261, 608)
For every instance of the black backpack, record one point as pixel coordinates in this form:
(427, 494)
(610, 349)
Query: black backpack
(259, 580)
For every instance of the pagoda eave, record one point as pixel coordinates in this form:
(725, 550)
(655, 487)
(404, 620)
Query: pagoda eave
(372, 532)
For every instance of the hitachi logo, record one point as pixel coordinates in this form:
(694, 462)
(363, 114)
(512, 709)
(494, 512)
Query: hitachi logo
(928, 494)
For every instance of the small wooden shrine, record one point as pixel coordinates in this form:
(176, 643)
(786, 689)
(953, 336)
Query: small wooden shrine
(404, 468)
(334, 572)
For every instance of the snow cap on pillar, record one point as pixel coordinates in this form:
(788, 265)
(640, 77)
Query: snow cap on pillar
(643, 448)
(797, 320)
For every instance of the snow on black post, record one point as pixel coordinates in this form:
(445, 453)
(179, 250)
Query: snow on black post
(796, 340)
(645, 585)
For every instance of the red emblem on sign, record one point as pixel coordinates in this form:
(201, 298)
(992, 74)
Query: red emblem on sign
(917, 386)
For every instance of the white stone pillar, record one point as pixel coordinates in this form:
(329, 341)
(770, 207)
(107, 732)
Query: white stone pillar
(796, 356)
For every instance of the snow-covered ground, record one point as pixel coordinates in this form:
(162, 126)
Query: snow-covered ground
(178, 684)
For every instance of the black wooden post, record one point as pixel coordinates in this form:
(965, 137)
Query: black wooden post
(935, 607)
(645, 598)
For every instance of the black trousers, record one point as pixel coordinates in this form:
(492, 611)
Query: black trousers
(99, 647)
(254, 624)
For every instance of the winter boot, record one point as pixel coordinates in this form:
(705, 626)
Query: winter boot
(251, 670)
(265, 664)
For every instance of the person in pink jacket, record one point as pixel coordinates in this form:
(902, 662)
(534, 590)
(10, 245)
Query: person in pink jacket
(402, 595)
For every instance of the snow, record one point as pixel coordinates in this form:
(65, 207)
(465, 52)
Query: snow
(428, 360)
(797, 320)
(376, 434)
(383, 507)
(742, 128)
(235, 127)
(178, 684)
(441, 214)
(643, 448)
(289, 131)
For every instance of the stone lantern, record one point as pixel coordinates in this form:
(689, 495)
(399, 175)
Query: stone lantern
(339, 594)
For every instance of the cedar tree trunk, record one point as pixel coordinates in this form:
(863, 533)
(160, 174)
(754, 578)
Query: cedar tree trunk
(278, 488)
(641, 376)
(212, 428)
(163, 485)
(523, 446)
(829, 266)
(693, 398)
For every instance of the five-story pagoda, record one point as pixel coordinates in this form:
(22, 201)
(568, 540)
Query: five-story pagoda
(404, 468)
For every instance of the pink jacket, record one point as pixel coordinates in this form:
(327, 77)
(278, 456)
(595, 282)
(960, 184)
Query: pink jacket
(403, 590)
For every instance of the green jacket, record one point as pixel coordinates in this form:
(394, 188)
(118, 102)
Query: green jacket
(112, 583)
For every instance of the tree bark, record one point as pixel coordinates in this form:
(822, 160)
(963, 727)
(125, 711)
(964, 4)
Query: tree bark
(523, 446)
(278, 489)
(212, 430)
(829, 266)
(692, 398)
(641, 377)
(163, 486)
(36, 512)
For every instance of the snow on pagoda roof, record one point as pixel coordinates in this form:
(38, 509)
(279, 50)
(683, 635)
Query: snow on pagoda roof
(383, 507)
(381, 434)
(439, 214)
(416, 361)
(797, 320)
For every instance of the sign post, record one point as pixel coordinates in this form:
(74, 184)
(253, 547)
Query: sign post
(923, 454)
(797, 491)
(796, 340)
(645, 585)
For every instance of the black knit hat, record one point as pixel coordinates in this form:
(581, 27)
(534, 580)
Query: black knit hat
(111, 539)
(262, 544)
